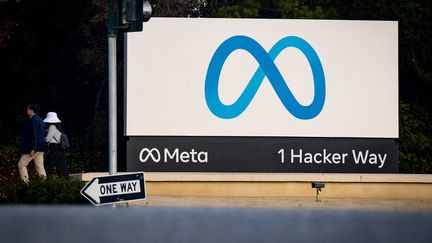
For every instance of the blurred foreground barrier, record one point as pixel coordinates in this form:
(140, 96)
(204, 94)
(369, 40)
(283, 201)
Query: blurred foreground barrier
(210, 225)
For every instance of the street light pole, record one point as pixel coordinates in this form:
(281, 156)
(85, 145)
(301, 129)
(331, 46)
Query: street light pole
(112, 88)
(133, 14)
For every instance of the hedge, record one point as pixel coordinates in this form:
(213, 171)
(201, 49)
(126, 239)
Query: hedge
(52, 190)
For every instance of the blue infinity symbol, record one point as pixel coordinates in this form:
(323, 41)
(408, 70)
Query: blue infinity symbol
(266, 68)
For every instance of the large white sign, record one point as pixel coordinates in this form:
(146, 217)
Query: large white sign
(245, 77)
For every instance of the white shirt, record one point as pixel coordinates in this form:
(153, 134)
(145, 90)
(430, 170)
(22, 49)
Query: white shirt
(54, 135)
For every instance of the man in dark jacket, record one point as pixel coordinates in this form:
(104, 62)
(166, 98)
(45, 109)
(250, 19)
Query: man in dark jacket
(32, 143)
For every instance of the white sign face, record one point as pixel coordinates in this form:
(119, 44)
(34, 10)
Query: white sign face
(245, 77)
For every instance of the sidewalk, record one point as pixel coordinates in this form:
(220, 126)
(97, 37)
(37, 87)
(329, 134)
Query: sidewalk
(309, 203)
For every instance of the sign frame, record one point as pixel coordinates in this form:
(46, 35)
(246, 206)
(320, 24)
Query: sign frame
(178, 140)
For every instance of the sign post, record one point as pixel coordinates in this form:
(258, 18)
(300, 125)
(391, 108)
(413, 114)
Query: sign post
(133, 14)
(115, 188)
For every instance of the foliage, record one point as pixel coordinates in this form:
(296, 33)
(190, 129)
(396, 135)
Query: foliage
(55, 53)
(261, 9)
(88, 147)
(52, 190)
(415, 140)
(243, 9)
(8, 161)
(57, 59)
(178, 8)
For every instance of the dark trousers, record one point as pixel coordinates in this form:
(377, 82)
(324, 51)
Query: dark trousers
(56, 158)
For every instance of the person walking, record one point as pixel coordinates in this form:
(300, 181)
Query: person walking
(32, 144)
(55, 157)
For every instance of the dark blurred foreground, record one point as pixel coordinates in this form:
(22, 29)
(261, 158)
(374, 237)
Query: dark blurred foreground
(184, 224)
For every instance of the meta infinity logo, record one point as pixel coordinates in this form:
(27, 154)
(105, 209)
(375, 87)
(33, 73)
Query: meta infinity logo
(266, 68)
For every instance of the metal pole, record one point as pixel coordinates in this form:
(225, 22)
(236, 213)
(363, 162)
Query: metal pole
(112, 113)
(112, 87)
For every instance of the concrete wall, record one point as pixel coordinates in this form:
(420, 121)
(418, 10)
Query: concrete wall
(364, 186)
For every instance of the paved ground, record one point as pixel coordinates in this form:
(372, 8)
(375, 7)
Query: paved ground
(308, 203)
(71, 224)
(221, 219)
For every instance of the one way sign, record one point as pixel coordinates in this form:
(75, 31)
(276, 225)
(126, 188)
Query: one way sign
(109, 189)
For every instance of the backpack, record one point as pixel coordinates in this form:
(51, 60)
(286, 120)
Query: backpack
(64, 142)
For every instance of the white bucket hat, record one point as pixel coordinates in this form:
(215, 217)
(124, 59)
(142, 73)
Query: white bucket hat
(52, 118)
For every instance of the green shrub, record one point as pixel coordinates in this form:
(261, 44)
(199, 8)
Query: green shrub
(52, 190)
(415, 143)
(9, 156)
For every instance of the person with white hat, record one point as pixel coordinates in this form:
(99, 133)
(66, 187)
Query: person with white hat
(55, 157)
